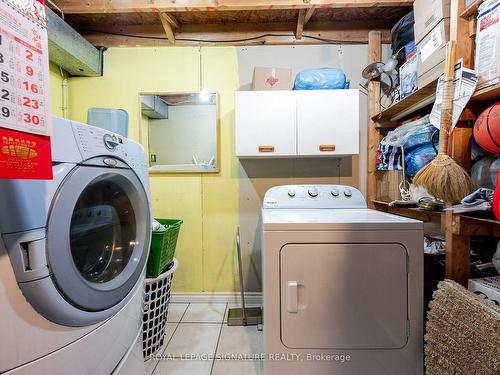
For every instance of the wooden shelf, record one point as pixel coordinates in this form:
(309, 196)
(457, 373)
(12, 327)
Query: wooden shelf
(419, 99)
(487, 93)
(471, 10)
(414, 213)
(472, 224)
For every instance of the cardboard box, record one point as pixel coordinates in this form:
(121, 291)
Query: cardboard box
(388, 185)
(430, 75)
(487, 287)
(487, 59)
(272, 79)
(408, 76)
(428, 14)
(432, 49)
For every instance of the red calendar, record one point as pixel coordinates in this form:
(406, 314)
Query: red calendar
(24, 91)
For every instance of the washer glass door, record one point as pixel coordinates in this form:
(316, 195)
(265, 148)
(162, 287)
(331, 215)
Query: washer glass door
(98, 236)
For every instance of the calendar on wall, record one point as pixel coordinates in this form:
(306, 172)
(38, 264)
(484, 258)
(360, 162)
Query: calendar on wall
(24, 67)
(25, 119)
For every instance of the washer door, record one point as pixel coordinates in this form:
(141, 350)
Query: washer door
(98, 236)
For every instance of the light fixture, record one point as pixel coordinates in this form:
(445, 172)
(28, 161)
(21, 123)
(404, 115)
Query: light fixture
(205, 96)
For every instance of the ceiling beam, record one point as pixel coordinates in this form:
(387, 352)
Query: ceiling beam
(300, 24)
(127, 6)
(171, 20)
(154, 36)
(167, 27)
(309, 14)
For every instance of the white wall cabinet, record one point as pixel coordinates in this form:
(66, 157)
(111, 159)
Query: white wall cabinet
(297, 123)
(266, 123)
(327, 122)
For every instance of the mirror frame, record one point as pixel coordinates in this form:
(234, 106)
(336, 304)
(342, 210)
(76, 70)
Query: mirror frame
(158, 170)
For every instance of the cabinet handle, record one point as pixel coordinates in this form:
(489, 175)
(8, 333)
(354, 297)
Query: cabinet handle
(293, 298)
(325, 148)
(266, 148)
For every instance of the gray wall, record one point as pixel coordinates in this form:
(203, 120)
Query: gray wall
(256, 176)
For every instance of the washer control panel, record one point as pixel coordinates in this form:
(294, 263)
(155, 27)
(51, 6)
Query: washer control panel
(314, 196)
(93, 141)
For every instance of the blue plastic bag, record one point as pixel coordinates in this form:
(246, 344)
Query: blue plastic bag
(419, 136)
(419, 158)
(321, 79)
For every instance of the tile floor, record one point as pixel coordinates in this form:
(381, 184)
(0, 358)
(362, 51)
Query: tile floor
(199, 342)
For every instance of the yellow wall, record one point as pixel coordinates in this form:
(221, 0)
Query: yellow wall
(55, 82)
(208, 204)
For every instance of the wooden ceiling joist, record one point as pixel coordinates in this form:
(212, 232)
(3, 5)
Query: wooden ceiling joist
(304, 17)
(166, 22)
(127, 6)
(300, 24)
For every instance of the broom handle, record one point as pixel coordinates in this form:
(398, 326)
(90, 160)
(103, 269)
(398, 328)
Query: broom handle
(448, 93)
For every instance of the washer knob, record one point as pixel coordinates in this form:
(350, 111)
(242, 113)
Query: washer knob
(335, 192)
(313, 192)
(291, 193)
(348, 193)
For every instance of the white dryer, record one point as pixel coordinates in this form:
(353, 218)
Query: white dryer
(343, 285)
(72, 256)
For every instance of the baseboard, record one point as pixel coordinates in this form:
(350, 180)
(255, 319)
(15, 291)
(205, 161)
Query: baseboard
(251, 298)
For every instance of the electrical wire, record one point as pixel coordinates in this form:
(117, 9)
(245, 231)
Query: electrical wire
(257, 37)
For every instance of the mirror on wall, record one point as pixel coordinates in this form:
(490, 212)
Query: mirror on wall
(182, 131)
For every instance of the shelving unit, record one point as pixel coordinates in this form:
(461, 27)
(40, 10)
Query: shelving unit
(457, 228)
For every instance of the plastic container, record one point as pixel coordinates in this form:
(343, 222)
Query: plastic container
(163, 247)
(156, 300)
(111, 119)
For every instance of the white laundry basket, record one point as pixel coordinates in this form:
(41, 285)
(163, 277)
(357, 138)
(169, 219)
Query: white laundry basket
(156, 299)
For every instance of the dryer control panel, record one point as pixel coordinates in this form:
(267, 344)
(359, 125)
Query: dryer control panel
(313, 196)
(93, 141)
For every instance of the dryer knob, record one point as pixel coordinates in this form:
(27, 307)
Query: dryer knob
(313, 192)
(335, 193)
(348, 193)
(291, 193)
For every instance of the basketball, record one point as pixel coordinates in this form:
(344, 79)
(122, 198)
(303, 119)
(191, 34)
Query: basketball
(487, 129)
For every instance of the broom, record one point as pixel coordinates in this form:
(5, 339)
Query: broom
(443, 177)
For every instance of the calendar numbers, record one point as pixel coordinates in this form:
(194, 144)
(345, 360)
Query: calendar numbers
(23, 75)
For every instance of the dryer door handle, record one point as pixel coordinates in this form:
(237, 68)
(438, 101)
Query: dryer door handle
(293, 297)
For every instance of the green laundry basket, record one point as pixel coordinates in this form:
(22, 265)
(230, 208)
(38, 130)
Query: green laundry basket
(162, 247)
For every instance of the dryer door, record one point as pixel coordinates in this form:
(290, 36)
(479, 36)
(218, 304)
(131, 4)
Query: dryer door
(98, 236)
(343, 296)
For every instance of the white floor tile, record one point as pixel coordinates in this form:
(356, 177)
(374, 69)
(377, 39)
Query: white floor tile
(193, 338)
(238, 368)
(240, 340)
(204, 313)
(176, 311)
(169, 331)
(183, 367)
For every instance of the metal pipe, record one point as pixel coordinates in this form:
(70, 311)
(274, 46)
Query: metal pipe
(64, 86)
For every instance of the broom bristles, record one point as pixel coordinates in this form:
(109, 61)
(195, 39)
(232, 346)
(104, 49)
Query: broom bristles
(445, 179)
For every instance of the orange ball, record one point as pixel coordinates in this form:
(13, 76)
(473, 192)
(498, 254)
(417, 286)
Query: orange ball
(487, 129)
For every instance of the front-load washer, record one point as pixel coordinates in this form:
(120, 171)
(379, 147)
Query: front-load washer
(72, 256)
(342, 285)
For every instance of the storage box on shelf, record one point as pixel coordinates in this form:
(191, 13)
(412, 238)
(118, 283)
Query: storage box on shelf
(428, 14)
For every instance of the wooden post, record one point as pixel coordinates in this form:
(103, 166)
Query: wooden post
(459, 31)
(457, 251)
(374, 55)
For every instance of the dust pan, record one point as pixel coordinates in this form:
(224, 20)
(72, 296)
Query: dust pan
(443, 177)
(243, 316)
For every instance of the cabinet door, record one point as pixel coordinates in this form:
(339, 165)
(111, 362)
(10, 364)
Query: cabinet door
(328, 122)
(265, 123)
